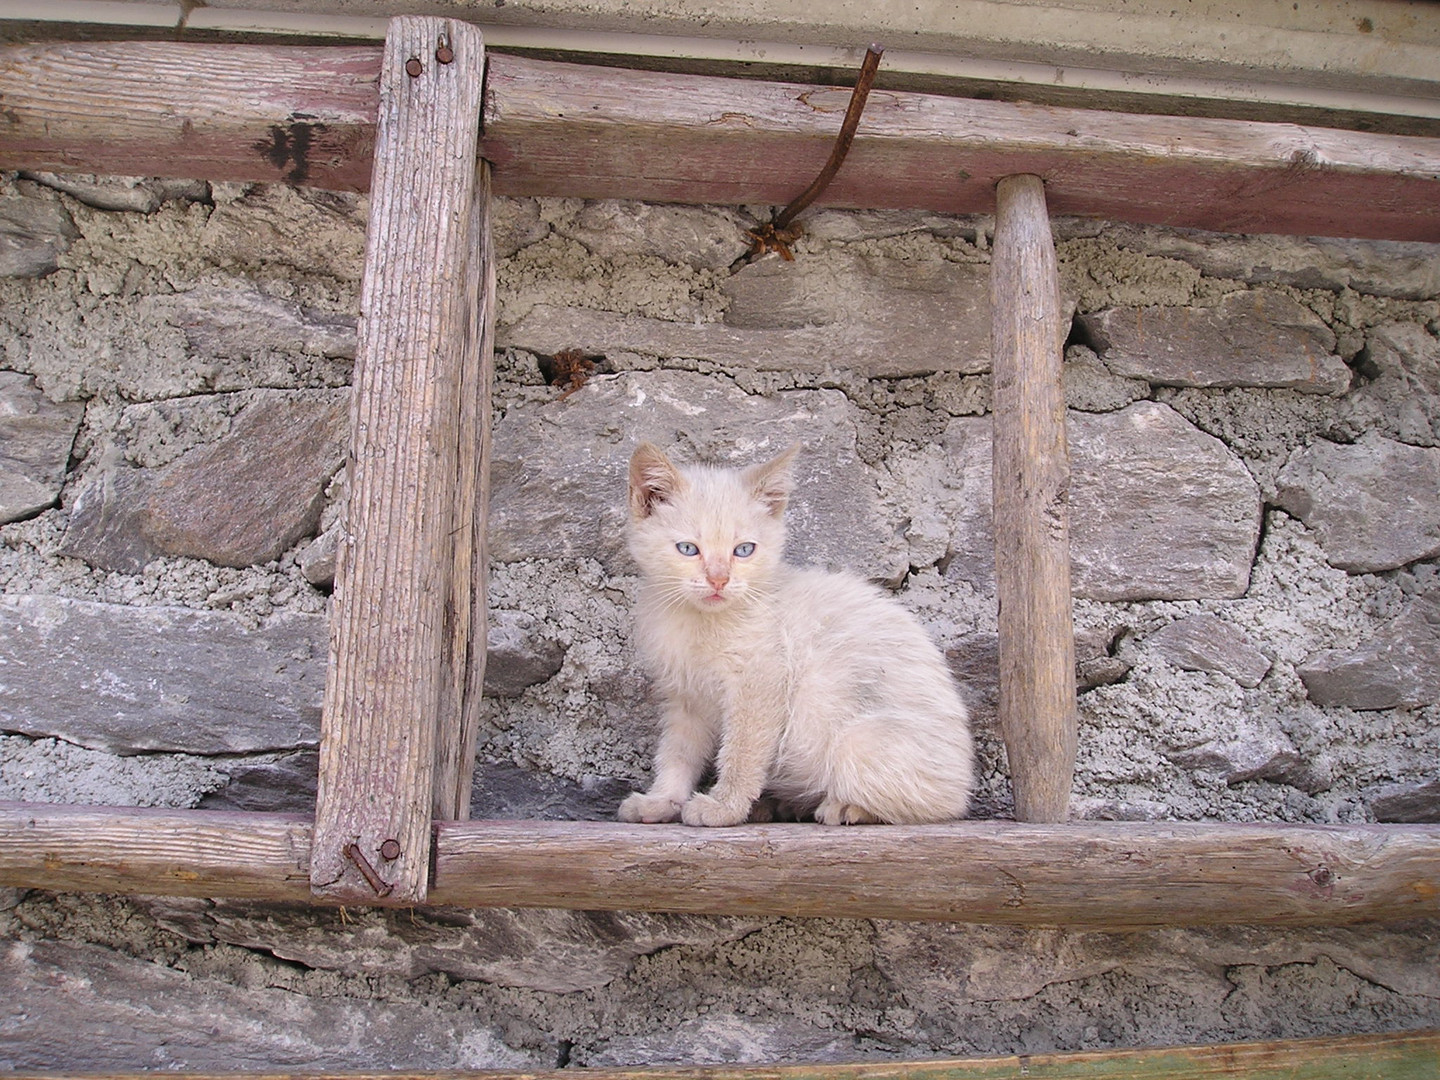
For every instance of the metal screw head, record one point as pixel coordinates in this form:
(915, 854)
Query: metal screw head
(444, 53)
(413, 67)
(390, 849)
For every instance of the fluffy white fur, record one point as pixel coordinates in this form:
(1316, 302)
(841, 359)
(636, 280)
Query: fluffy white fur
(811, 687)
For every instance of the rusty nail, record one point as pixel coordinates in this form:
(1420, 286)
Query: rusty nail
(356, 856)
(444, 53)
(858, 97)
(413, 67)
(390, 849)
(1323, 876)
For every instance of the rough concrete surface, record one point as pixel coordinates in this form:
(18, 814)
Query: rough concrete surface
(1248, 650)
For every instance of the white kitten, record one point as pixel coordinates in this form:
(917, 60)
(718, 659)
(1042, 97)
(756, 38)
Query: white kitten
(813, 687)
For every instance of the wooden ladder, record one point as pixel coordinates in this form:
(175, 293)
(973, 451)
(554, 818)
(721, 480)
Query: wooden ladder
(408, 622)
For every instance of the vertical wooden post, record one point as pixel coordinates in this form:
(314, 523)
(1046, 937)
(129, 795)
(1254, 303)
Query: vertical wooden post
(401, 617)
(465, 660)
(1031, 491)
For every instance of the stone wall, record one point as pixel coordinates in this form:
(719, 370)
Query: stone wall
(1255, 433)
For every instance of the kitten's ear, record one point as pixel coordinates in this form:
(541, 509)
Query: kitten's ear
(653, 479)
(773, 481)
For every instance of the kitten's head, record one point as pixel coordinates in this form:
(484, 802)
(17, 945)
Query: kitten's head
(710, 537)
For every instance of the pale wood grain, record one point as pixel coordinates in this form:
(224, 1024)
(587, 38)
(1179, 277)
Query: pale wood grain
(294, 114)
(1031, 479)
(159, 851)
(1106, 875)
(460, 703)
(554, 129)
(401, 619)
(1097, 875)
(301, 113)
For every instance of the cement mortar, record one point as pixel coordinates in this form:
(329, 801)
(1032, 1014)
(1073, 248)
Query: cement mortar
(1162, 743)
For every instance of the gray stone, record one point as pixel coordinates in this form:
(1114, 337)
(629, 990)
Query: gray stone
(1372, 504)
(550, 950)
(1261, 753)
(1092, 387)
(1256, 339)
(34, 233)
(1146, 987)
(914, 316)
(1403, 269)
(317, 561)
(852, 226)
(1397, 667)
(705, 237)
(85, 1008)
(974, 660)
(36, 436)
(559, 468)
(221, 321)
(1158, 509)
(1407, 803)
(243, 499)
(516, 224)
(1401, 398)
(519, 654)
(268, 225)
(1096, 662)
(500, 791)
(134, 193)
(880, 317)
(727, 1039)
(286, 785)
(1205, 642)
(131, 680)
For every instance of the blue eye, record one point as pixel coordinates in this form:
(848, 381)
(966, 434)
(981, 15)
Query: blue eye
(745, 550)
(685, 547)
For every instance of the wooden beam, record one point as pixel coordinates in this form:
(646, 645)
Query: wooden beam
(1407, 1055)
(289, 114)
(300, 114)
(164, 852)
(1112, 876)
(1104, 876)
(401, 618)
(554, 129)
(1036, 706)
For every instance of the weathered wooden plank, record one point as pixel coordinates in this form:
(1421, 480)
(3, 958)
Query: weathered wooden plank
(1107, 875)
(164, 852)
(400, 620)
(296, 114)
(301, 113)
(1036, 706)
(460, 704)
(1408, 1055)
(559, 129)
(1080, 874)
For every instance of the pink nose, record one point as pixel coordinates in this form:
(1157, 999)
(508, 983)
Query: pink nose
(717, 579)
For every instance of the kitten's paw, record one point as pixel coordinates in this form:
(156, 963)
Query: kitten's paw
(648, 809)
(835, 812)
(712, 812)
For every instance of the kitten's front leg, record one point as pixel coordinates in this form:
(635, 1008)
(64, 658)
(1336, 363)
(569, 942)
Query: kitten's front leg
(747, 748)
(687, 739)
